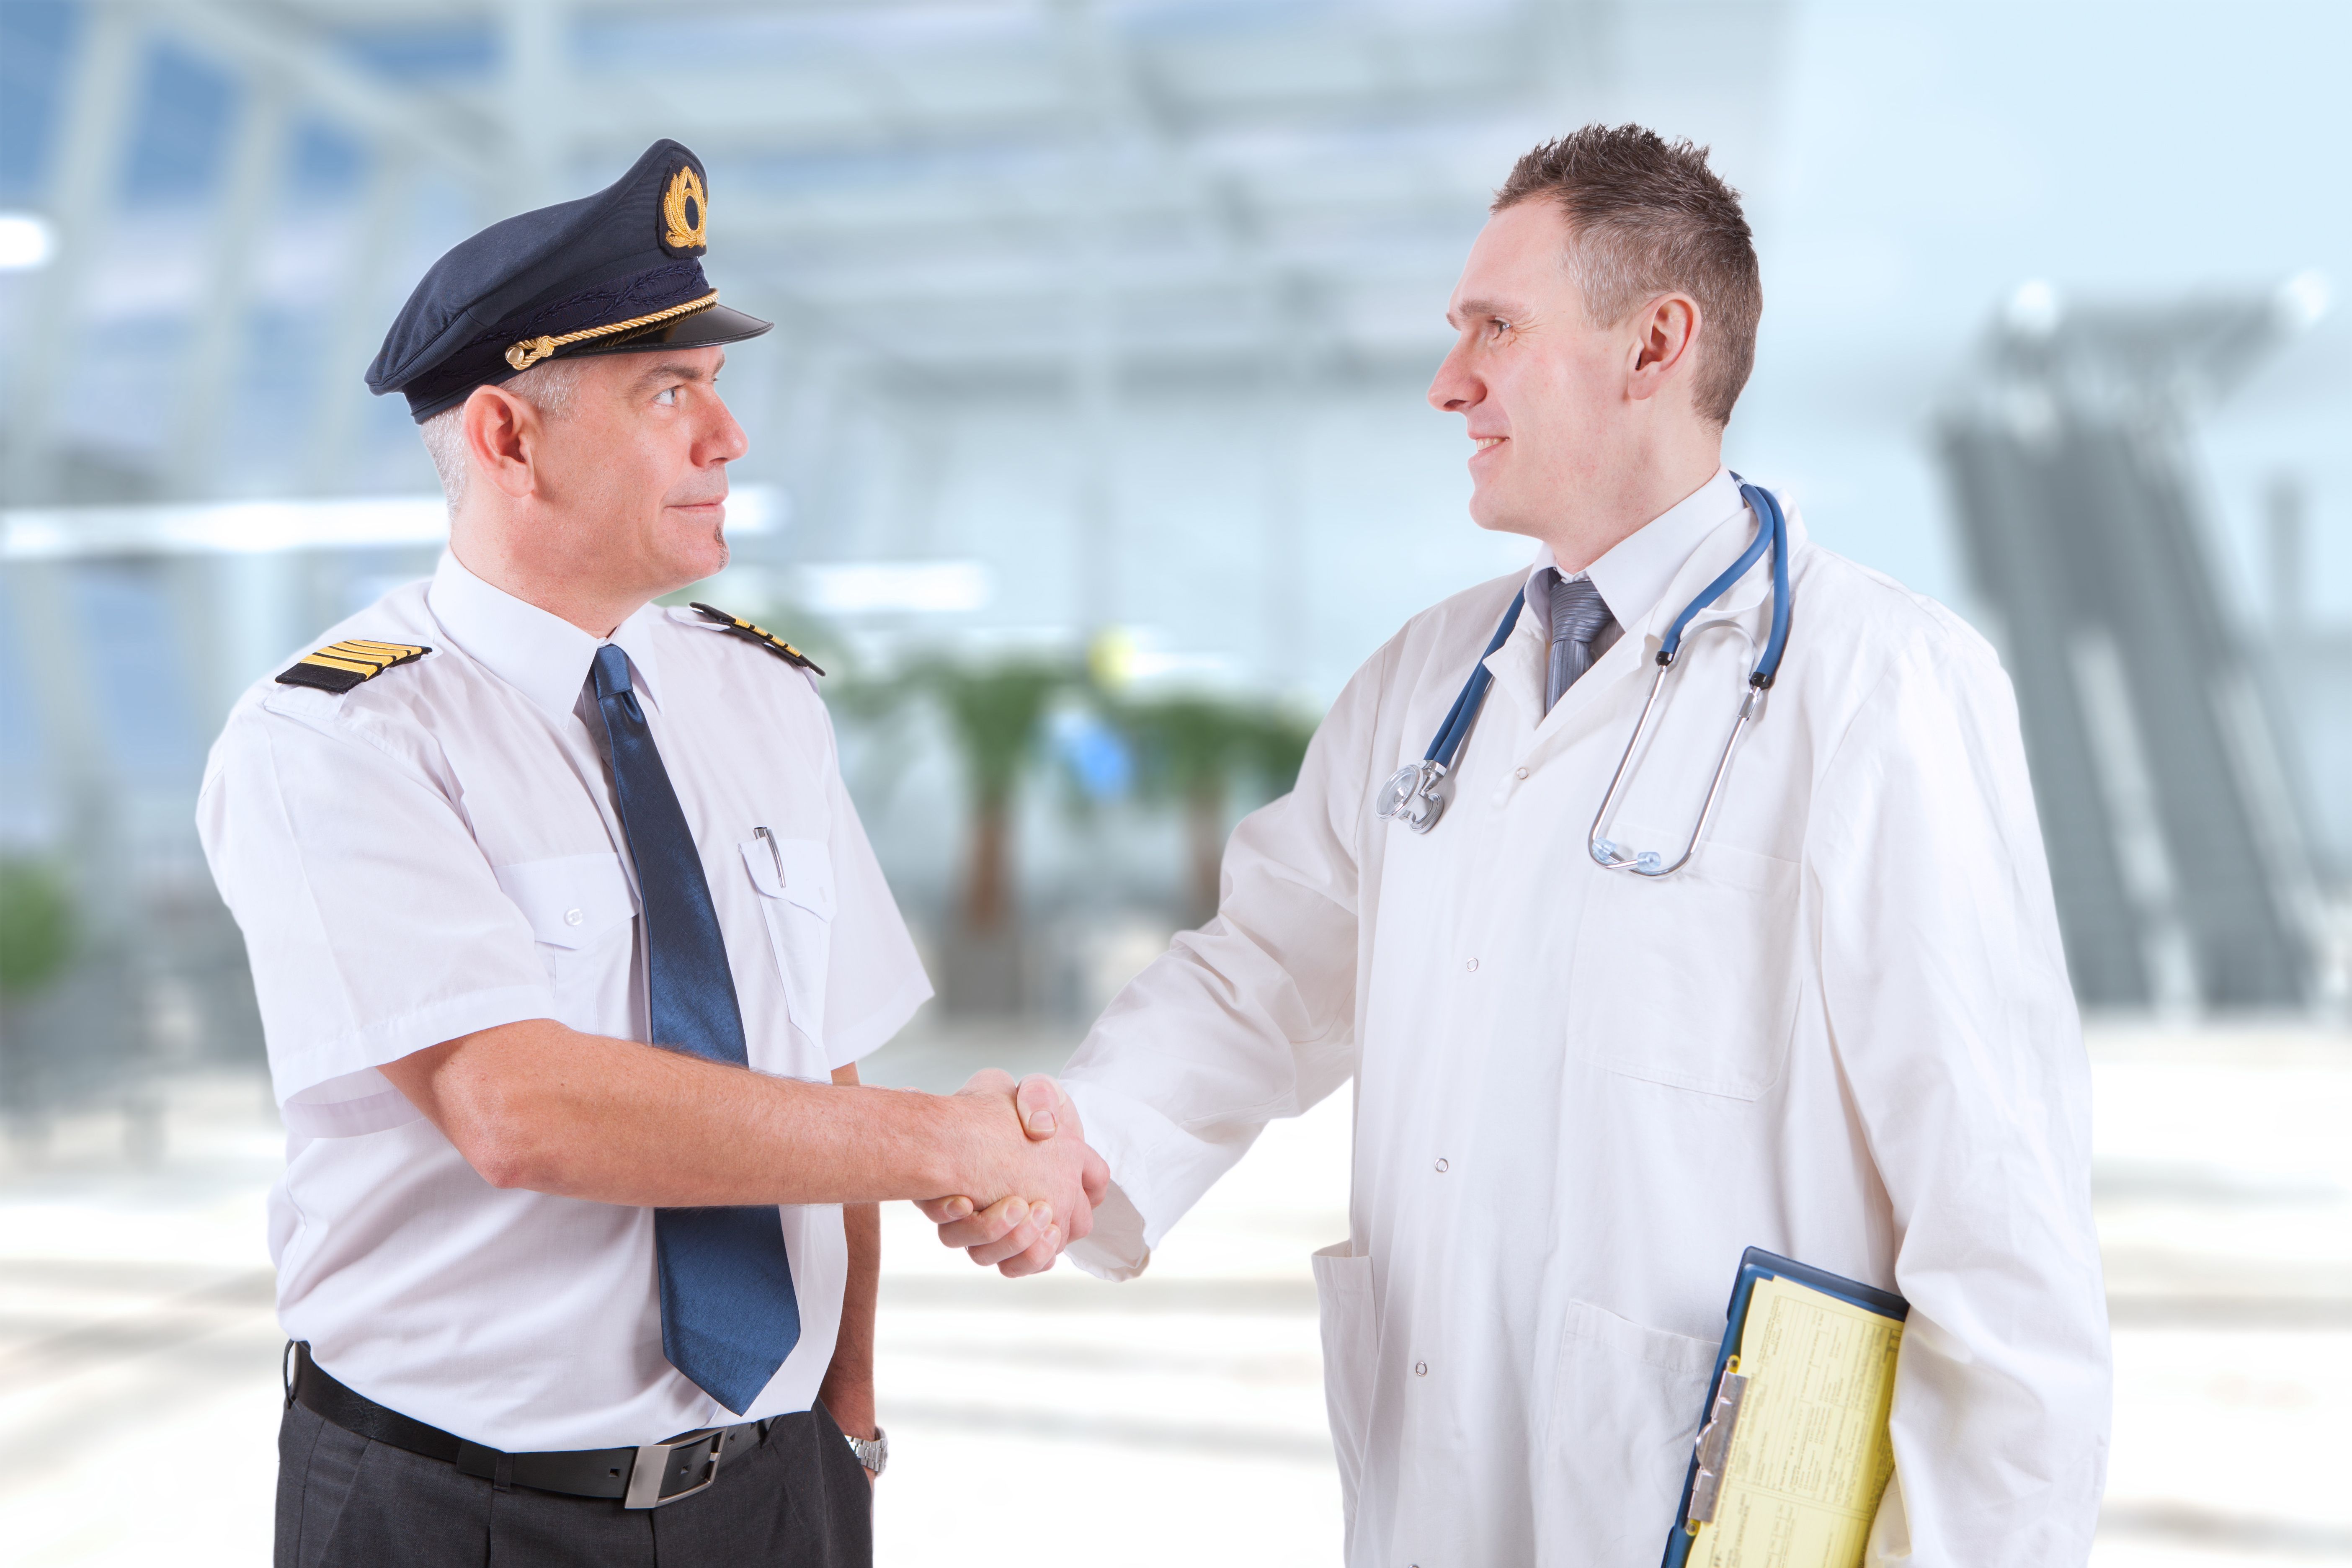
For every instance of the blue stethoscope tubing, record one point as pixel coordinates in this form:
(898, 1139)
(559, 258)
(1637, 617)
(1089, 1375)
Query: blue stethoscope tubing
(1412, 797)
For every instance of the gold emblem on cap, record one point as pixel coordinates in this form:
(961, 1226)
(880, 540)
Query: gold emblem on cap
(685, 201)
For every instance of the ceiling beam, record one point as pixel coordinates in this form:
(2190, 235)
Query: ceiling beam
(949, 214)
(752, 113)
(394, 12)
(276, 43)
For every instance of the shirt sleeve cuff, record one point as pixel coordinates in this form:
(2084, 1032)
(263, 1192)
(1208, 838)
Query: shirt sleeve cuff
(1114, 1249)
(1162, 1169)
(294, 1069)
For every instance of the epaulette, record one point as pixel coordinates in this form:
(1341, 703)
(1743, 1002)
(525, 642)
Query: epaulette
(736, 625)
(340, 666)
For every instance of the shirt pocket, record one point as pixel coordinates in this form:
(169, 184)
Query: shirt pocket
(1624, 1413)
(581, 911)
(793, 878)
(1689, 980)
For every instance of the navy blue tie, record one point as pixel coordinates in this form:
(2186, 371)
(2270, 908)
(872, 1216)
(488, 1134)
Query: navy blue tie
(728, 1314)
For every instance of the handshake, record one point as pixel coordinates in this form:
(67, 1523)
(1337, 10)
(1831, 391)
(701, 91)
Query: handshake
(1031, 1149)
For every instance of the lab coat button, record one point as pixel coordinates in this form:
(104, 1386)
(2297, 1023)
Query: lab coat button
(1472, 966)
(1421, 1369)
(1440, 1166)
(573, 916)
(1518, 773)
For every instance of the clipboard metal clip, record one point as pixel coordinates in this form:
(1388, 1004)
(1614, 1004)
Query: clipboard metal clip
(1715, 1446)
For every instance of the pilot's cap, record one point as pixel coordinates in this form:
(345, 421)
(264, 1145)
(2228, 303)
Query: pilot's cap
(617, 272)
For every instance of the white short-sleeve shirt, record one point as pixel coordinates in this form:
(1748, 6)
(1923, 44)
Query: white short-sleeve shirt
(438, 851)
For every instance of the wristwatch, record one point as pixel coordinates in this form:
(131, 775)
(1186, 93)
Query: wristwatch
(874, 1455)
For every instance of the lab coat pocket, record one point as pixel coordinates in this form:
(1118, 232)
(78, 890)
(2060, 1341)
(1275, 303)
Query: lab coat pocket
(1624, 1411)
(793, 878)
(1343, 1293)
(1689, 980)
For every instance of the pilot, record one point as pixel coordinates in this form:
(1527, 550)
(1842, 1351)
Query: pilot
(567, 942)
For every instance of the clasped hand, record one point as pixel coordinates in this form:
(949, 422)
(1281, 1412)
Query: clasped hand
(1053, 1186)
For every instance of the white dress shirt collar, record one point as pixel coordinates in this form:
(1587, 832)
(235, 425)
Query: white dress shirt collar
(541, 654)
(1635, 573)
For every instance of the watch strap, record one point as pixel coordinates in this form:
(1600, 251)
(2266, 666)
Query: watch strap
(873, 1453)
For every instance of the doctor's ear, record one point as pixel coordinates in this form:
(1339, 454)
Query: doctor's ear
(1665, 340)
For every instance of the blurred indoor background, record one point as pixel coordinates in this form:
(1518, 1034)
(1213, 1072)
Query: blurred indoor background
(1090, 455)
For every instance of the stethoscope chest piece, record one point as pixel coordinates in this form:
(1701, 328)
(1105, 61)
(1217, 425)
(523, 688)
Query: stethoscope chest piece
(1411, 796)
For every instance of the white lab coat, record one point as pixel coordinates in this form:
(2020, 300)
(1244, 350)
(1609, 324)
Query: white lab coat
(1844, 1033)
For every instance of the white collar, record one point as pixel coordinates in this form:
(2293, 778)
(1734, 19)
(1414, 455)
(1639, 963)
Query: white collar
(543, 656)
(1636, 571)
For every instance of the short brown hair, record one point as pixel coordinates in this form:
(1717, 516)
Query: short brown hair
(1646, 215)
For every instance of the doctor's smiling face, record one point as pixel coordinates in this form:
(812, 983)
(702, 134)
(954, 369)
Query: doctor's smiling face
(1584, 430)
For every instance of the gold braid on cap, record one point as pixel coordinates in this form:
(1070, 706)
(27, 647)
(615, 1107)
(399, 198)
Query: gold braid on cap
(530, 351)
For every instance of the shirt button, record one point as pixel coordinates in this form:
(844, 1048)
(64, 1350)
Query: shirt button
(1421, 1369)
(1518, 773)
(1440, 1166)
(1472, 966)
(573, 916)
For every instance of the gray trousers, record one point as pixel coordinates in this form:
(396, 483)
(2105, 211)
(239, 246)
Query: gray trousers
(797, 1500)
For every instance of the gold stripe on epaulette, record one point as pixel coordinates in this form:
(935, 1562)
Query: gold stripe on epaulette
(376, 653)
(738, 627)
(340, 666)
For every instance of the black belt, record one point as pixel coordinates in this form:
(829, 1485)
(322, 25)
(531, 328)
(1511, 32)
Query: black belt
(646, 1475)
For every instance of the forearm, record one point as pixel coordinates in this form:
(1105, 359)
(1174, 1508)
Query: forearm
(539, 1106)
(848, 1387)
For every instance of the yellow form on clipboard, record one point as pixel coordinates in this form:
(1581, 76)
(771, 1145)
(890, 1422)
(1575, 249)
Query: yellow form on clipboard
(1808, 1456)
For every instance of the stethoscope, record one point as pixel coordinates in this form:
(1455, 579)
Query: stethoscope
(1413, 797)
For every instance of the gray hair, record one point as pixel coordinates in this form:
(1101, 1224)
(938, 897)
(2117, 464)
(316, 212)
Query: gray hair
(547, 387)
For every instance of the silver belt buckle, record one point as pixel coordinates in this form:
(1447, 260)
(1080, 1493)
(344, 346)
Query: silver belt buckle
(658, 1463)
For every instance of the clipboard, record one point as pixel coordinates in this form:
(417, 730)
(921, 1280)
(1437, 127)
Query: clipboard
(1814, 1398)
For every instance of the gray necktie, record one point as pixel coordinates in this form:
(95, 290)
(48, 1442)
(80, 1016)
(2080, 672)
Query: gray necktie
(1579, 622)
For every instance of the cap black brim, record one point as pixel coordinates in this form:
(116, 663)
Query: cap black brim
(717, 324)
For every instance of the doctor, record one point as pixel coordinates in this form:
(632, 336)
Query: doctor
(1842, 1031)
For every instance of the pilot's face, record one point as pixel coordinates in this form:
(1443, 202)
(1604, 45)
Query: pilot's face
(637, 465)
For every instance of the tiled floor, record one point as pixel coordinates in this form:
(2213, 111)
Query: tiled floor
(1179, 1418)
(2225, 1193)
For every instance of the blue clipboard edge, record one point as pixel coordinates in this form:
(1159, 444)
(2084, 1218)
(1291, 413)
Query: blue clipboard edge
(1757, 1263)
